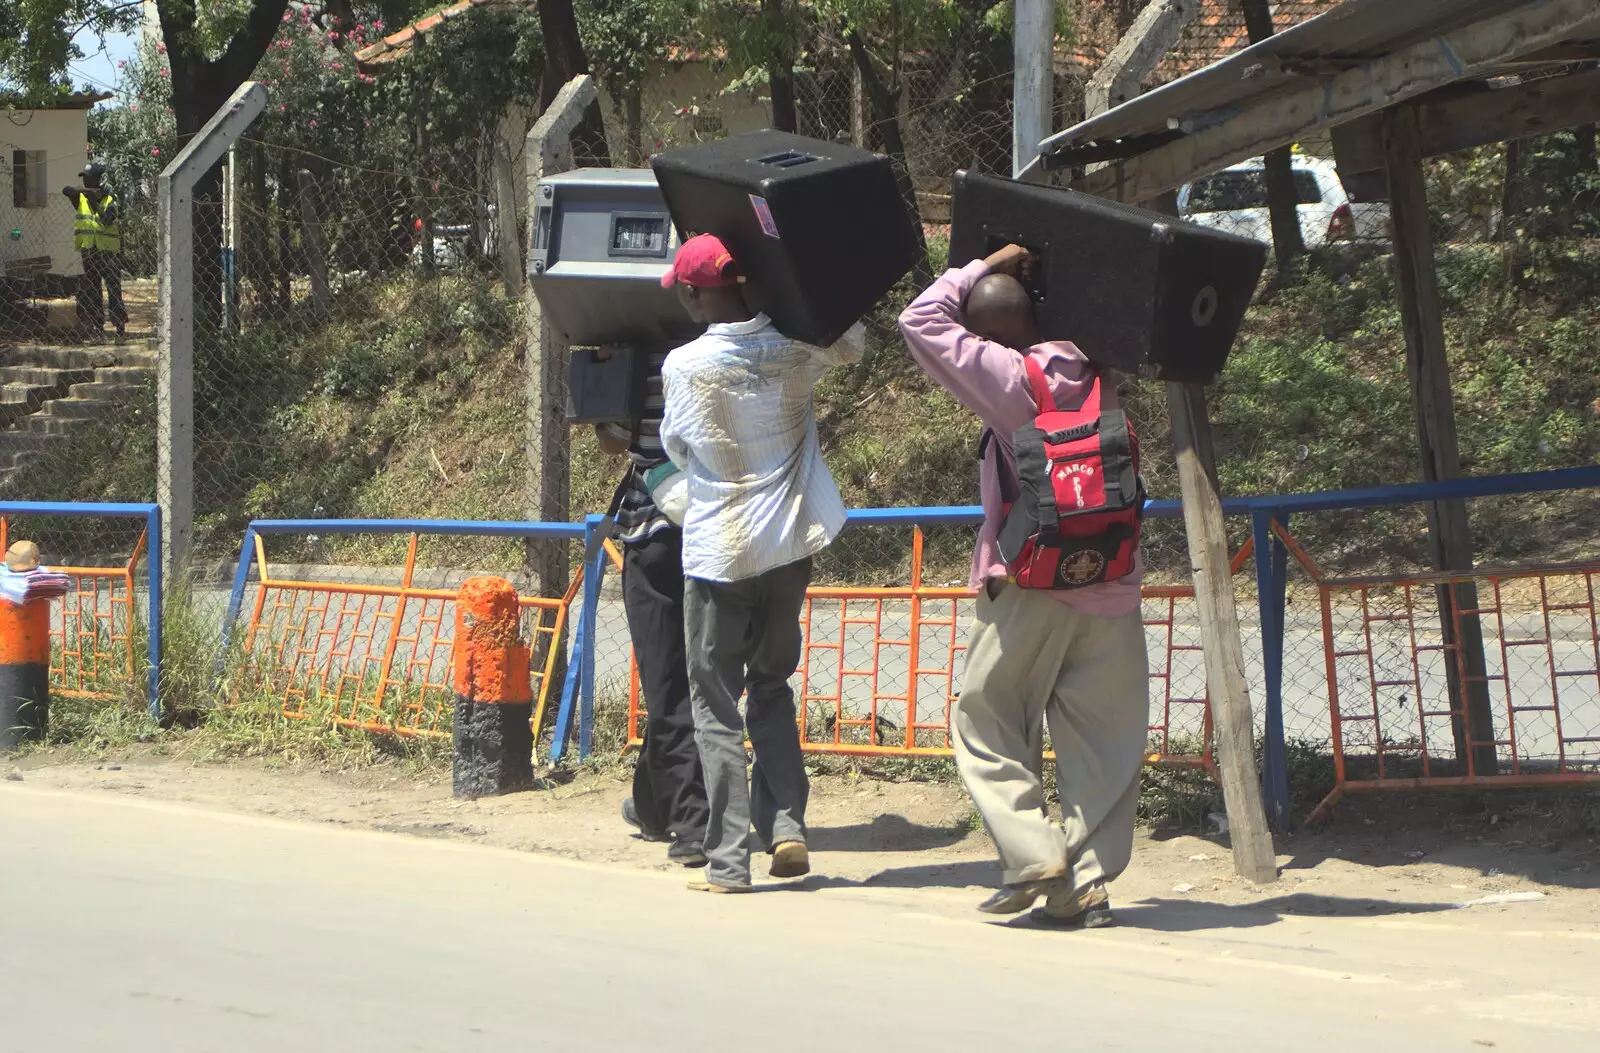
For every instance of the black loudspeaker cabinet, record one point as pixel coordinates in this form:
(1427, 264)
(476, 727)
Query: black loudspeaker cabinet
(820, 228)
(607, 384)
(1135, 290)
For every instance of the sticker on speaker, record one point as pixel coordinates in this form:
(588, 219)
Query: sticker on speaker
(1082, 567)
(764, 216)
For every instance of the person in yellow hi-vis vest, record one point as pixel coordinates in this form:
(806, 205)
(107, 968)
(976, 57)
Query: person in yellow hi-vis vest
(97, 234)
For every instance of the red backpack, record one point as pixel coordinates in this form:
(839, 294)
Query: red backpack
(1073, 512)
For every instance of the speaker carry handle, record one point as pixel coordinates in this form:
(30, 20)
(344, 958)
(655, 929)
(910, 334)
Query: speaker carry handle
(1036, 284)
(786, 159)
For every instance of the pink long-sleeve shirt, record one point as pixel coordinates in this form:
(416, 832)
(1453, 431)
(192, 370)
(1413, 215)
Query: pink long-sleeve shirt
(991, 381)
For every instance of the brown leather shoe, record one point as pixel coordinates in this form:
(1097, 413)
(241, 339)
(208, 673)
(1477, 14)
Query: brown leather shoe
(790, 859)
(1035, 880)
(1087, 909)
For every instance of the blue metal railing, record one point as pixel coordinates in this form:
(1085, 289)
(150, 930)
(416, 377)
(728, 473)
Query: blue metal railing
(1271, 560)
(584, 631)
(578, 687)
(451, 527)
(151, 514)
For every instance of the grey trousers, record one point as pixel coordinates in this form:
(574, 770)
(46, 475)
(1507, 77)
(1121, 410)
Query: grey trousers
(744, 637)
(1032, 661)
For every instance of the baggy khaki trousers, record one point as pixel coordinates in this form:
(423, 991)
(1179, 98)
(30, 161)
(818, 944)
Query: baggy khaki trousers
(1032, 660)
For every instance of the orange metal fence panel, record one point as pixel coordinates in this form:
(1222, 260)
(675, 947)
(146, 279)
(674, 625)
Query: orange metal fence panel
(1167, 668)
(94, 652)
(1399, 723)
(881, 669)
(374, 657)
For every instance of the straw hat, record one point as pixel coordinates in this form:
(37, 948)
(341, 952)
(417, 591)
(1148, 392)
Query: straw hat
(23, 556)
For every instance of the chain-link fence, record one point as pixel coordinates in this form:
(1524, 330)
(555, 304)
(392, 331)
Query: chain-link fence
(76, 407)
(357, 355)
(355, 349)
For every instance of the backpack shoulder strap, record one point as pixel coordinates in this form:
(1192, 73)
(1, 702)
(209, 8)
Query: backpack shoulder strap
(1044, 401)
(1091, 401)
(1038, 385)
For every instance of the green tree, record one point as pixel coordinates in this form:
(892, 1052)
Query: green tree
(564, 60)
(625, 39)
(762, 44)
(879, 35)
(37, 42)
(983, 42)
(209, 57)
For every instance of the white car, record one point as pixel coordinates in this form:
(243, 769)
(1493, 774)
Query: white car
(1235, 200)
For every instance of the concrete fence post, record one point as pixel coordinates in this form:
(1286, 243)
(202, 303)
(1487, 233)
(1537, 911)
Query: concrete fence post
(493, 732)
(505, 198)
(230, 241)
(1033, 49)
(549, 439)
(311, 239)
(175, 334)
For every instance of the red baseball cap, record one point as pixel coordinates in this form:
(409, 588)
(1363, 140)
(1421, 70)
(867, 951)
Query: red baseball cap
(703, 261)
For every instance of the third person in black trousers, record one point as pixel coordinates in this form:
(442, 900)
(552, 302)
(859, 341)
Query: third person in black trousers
(97, 234)
(669, 793)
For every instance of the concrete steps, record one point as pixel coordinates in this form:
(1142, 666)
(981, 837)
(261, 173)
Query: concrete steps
(75, 408)
(49, 393)
(48, 424)
(106, 391)
(63, 357)
(27, 388)
(42, 376)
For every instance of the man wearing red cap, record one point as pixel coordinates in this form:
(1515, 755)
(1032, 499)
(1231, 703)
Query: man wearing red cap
(739, 425)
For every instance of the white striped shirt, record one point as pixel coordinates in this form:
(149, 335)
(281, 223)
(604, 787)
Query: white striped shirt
(638, 517)
(739, 424)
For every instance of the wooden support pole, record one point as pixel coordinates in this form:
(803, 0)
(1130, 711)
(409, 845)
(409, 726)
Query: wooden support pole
(1253, 855)
(505, 198)
(311, 239)
(1283, 197)
(859, 120)
(1428, 366)
(1152, 34)
(230, 240)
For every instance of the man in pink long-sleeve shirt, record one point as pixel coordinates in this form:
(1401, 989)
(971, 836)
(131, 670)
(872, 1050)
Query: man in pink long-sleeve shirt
(1074, 658)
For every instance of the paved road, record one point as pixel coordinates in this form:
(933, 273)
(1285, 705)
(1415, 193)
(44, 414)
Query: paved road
(149, 928)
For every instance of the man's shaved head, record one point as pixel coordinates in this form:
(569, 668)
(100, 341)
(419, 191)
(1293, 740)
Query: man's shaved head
(999, 308)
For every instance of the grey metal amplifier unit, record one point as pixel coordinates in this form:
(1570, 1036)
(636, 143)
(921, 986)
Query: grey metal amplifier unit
(602, 239)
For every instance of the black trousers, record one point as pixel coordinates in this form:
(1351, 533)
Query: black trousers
(101, 267)
(669, 791)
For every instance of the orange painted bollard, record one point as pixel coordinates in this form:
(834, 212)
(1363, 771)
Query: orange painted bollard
(25, 648)
(24, 673)
(493, 734)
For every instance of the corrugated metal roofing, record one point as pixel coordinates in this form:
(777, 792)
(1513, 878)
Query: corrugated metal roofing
(1353, 33)
(1217, 31)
